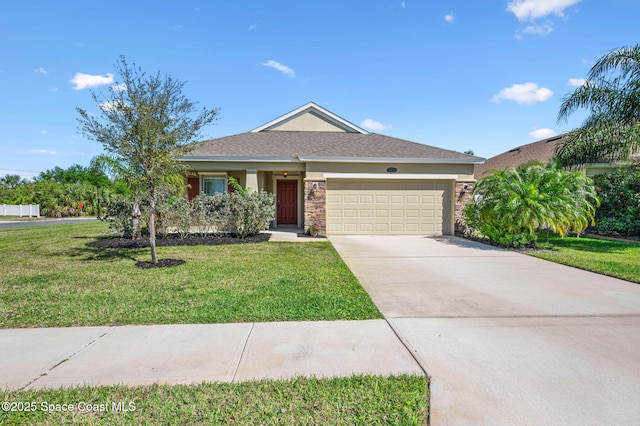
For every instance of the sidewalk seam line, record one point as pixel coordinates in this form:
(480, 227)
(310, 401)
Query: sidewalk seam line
(69, 358)
(242, 353)
(408, 348)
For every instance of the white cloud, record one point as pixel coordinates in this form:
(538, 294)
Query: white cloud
(86, 81)
(450, 17)
(543, 133)
(54, 89)
(41, 71)
(374, 125)
(119, 87)
(280, 67)
(577, 82)
(543, 29)
(403, 4)
(527, 93)
(43, 132)
(43, 151)
(528, 10)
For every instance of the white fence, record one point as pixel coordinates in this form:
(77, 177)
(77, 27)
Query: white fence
(21, 210)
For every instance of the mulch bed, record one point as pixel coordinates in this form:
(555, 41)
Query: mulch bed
(172, 240)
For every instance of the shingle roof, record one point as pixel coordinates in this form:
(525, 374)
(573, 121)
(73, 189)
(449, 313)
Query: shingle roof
(541, 151)
(310, 145)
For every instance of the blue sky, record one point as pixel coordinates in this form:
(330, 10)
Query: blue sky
(485, 75)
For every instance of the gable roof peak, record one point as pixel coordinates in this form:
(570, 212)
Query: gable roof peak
(339, 123)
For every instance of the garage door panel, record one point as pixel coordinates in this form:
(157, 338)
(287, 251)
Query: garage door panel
(365, 213)
(387, 207)
(381, 228)
(411, 213)
(349, 213)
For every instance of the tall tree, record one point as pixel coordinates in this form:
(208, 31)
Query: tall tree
(10, 181)
(145, 123)
(611, 94)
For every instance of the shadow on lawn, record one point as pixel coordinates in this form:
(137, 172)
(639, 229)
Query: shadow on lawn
(89, 253)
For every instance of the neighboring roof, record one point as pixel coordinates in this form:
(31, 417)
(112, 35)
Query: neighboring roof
(321, 146)
(332, 121)
(541, 151)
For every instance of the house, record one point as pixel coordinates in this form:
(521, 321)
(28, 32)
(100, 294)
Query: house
(542, 151)
(329, 172)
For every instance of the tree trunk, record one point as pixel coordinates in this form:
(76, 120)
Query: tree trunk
(135, 218)
(152, 227)
(97, 205)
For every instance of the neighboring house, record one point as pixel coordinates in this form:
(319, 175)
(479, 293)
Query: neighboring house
(542, 151)
(329, 172)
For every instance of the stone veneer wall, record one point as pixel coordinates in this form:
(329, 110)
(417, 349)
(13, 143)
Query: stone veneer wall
(463, 196)
(315, 204)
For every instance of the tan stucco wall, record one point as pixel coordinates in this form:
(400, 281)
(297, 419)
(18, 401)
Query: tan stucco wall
(317, 170)
(307, 123)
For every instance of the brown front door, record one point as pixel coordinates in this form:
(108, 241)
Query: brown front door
(287, 202)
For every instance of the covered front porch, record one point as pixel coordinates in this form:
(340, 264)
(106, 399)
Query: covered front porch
(285, 180)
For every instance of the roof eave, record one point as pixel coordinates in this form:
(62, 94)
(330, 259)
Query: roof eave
(474, 160)
(206, 158)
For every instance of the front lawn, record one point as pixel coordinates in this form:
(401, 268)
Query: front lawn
(614, 258)
(362, 400)
(51, 278)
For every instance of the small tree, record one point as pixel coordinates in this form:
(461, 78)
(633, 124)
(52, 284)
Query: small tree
(145, 123)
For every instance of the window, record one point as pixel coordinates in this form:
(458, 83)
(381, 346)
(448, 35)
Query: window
(214, 185)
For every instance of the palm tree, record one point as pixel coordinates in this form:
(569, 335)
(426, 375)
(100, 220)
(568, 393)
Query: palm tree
(512, 206)
(611, 132)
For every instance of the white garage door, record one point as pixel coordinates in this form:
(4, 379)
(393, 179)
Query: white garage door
(418, 207)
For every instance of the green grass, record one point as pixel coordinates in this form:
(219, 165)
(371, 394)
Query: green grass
(614, 258)
(356, 400)
(51, 278)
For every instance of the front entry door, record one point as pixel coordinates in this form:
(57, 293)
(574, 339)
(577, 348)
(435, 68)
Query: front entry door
(287, 202)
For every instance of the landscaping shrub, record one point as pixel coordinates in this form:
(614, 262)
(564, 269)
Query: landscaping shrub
(619, 192)
(512, 206)
(242, 213)
(118, 214)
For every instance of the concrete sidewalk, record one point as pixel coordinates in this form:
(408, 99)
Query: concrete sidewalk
(192, 353)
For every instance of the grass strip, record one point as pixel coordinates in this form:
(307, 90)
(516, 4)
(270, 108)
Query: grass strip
(617, 259)
(356, 400)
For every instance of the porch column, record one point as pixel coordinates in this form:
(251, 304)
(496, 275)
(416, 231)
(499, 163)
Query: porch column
(252, 180)
(315, 203)
(463, 194)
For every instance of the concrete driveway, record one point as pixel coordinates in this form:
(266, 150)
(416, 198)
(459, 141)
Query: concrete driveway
(506, 338)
